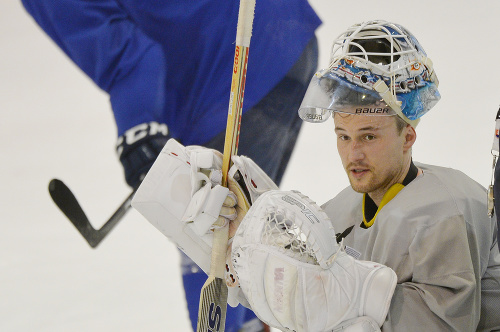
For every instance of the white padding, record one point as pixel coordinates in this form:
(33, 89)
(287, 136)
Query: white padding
(181, 196)
(205, 207)
(256, 180)
(163, 197)
(308, 282)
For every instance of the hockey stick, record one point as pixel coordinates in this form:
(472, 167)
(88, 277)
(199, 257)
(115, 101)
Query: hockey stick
(213, 297)
(68, 204)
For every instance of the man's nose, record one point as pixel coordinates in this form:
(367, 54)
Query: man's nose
(356, 152)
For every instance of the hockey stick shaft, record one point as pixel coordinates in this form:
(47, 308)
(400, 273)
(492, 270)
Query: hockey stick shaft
(213, 297)
(68, 204)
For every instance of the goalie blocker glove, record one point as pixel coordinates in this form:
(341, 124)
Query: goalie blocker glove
(182, 197)
(138, 148)
(297, 278)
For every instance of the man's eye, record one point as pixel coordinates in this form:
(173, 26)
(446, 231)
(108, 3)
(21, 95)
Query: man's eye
(343, 137)
(369, 137)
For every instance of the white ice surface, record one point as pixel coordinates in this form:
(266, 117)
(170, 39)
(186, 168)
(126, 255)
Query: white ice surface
(56, 123)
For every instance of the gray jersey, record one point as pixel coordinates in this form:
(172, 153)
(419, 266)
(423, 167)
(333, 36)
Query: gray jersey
(437, 237)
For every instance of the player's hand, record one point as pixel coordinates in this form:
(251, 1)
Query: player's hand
(211, 205)
(296, 277)
(138, 148)
(182, 197)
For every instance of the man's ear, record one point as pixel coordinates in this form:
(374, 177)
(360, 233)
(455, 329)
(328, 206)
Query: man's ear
(410, 137)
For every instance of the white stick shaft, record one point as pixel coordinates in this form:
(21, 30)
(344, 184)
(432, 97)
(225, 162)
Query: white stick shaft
(245, 22)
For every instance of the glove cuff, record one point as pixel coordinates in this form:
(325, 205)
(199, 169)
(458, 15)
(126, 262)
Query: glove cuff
(138, 148)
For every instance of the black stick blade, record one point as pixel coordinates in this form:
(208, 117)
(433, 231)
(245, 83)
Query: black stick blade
(67, 203)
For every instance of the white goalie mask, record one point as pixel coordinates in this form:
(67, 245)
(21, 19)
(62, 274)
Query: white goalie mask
(376, 68)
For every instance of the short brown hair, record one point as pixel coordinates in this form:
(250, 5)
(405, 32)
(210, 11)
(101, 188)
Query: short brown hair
(400, 124)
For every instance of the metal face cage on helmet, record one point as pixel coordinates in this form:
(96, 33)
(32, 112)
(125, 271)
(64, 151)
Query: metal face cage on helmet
(376, 68)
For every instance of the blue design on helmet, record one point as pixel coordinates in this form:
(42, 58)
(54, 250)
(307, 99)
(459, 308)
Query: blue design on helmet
(377, 64)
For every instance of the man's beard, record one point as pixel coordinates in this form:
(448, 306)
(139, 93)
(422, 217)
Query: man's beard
(371, 182)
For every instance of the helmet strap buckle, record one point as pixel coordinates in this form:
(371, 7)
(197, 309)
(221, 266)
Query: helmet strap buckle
(391, 100)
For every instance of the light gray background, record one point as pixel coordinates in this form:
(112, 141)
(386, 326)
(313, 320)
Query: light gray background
(56, 123)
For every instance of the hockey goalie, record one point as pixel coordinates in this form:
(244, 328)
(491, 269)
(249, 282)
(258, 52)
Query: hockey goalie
(282, 260)
(406, 247)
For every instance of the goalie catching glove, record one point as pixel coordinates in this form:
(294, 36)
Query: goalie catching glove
(295, 276)
(182, 197)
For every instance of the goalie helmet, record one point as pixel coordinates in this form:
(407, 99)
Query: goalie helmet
(376, 68)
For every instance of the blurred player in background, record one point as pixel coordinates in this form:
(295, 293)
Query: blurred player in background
(167, 69)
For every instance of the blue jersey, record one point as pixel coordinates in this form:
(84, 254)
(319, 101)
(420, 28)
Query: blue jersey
(171, 61)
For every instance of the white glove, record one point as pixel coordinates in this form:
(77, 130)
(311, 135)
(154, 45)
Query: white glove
(211, 205)
(295, 276)
(182, 197)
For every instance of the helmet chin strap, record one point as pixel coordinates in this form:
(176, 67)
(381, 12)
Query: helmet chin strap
(391, 100)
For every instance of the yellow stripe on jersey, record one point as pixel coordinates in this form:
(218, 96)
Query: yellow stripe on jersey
(390, 194)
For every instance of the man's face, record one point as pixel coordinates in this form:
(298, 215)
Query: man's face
(372, 151)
